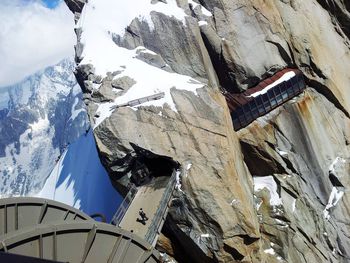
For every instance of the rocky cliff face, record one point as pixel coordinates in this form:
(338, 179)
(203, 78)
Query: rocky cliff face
(271, 192)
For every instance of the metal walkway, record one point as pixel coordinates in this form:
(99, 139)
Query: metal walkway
(154, 199)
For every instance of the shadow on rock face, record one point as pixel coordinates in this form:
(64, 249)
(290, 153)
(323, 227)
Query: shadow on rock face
(259, 162)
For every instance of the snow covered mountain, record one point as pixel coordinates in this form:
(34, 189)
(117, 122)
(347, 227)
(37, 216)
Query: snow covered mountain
(39, 117)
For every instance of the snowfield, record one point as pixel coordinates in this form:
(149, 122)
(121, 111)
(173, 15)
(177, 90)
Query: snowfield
(102, 18)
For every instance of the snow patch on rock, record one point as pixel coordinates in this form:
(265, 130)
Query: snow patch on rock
(269, 183)
(334, 198)
(178, 181)
(338, 161)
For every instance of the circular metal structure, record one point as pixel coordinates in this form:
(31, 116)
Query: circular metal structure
(19, 212)
(84, 241)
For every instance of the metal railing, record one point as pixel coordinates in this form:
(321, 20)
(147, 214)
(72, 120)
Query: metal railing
(118, 216)
(139, 101)
(264, 103)
(162, 210)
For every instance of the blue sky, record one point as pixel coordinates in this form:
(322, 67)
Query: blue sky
(51, 3)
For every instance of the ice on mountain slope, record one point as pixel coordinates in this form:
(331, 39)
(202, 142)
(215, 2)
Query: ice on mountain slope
(99, 21)
(80, 180)
(36, 125)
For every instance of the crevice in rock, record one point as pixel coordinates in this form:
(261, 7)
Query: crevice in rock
(289, 164)
(281, 218)
(248, 240)
(131, 32)
(233, 252)
(210, 5)
(275, 126)
(180, 254)
(259, 162)
(341, 15)
(343, 251)
(286, 160)
(328, 242)
(325, 91)
(335, 181)
(284, 54)
(306, 236)
(186, 250)
(291, 53)
(291, 193)
(226, 77)
(315, 68)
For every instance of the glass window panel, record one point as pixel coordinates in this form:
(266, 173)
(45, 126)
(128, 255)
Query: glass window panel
(236, 123)
(283, 87)
(258, 101)
(242, 120)
(255, 113)
(279, 99)
(270, 93)
(264, 98)
(296, 87)
(252, 105)
(267, 107)
(285, 95)
(249, 117)
(301, 83)
(246, 108)
(238, 112)
(261, 109)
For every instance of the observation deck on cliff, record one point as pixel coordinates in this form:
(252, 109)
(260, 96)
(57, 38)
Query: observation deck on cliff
(154, 198)
(266, 96)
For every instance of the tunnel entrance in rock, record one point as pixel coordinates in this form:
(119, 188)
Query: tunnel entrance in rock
(148, 165)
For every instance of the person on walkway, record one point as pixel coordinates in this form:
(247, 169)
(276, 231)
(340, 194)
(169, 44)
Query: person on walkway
(143, 215)
(143, 218)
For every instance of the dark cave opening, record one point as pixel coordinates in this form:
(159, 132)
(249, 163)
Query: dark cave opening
(148, 165)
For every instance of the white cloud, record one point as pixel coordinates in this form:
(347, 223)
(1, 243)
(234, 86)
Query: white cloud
(32, 37)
